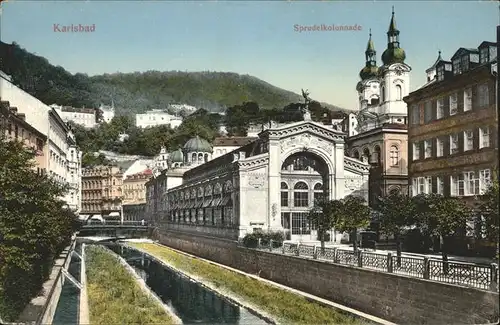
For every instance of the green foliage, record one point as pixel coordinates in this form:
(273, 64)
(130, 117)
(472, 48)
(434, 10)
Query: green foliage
(34, 227)
(396, 212)
(114, 295)
(324, 215)
(251, 240)
(441, 216)
(285, 306)
(353, 214)
(489, 209)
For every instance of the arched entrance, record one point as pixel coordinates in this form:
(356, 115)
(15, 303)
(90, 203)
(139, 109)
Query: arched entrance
(304, 183)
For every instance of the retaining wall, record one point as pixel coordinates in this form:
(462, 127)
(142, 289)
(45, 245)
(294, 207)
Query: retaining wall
(394, 297)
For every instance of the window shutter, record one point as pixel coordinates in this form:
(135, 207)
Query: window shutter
(476, 139)
(434, 110)
(491, 93)
(447, 185)
(460, 100)
(446, 145)
(434, 184)
(475, 99)
(421, 144)
(434, 147)
(446, 101)
(460, 142)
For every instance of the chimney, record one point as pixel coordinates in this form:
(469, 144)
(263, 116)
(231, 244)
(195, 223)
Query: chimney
(13, 110)
(22, 116)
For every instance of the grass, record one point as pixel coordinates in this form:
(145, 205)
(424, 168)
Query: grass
(285, 306)
(114, 295)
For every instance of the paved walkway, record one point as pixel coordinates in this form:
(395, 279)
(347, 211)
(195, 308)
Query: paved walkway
(465, 259)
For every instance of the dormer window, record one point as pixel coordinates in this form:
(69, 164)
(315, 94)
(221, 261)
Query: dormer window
(440, 73)
(484, 55)
(457, 68)
(465, 63)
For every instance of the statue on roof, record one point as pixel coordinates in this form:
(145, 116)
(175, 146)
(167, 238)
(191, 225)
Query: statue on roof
(305, 108)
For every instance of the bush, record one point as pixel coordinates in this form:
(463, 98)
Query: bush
(252, 240)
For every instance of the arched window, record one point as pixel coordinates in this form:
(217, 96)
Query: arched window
(319, 194)
(394, 155)
(301, 195)
(399, 92)
(382, 93)
(208, 190)
(355, 154)
(206, 157)
(200, 157)
(284, 194)
(193, 157)
(366, 155)
(376, 156)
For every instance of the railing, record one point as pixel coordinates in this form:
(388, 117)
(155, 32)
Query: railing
(481, 276)
(118, 223)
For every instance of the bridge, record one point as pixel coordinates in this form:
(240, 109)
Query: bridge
(126, 229)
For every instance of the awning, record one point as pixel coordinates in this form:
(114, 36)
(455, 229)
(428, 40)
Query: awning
(206, 203)
(83, 216)
(215, 202)
(198, 204)
(225, 200)
(114, 214)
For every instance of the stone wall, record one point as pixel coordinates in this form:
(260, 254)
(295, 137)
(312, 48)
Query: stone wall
(393, 297)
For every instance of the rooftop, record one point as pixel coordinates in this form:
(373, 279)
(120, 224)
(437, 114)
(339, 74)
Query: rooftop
(233, 141)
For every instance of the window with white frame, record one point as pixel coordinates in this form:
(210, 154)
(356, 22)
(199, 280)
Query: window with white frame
(440, 108)
(418, 184)
(483, 96)
(439, 185)
(453, 104)
(468, 140)
(484, 137)
(453, 144)
(439, 147)
(484, 180)
(440, 73)
(394, 156)
(457, 185)
(467, 99)
(483, 55)
(427, 148)
(416, 150)
(471, 183)
(428, 185)
(457, 69)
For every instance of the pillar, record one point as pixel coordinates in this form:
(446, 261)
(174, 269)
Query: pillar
(274, 180)
(337, 179)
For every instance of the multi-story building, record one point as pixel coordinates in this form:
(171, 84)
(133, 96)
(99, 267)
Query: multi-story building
(377, 133)
(102, 192)
(157, 117)
(223, 145)
(160, 161)
(134, 199)
(73, 197)
(13, 126)
(82, 116)
(58, 147)
(453, 122)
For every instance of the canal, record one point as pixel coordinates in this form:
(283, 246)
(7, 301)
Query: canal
(191, 302)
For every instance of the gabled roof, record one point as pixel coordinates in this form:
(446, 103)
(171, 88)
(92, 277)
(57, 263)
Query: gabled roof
(462, 51)
(435, 63)
(486, 44)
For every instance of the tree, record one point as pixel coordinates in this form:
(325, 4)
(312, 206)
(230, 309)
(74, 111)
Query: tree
(323, 215)
(489, 209)
(34, 227)
(396, 212)
(353, 214)
(442, 216)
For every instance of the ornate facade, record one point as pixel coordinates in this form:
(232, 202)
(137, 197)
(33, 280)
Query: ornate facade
(378, 136)
(270, 183)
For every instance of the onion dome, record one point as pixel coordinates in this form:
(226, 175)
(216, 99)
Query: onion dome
(370, 70)
(197, 144)
(176, 156)
(393, 53)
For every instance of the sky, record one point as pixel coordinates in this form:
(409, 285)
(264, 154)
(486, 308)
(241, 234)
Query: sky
(256, 37)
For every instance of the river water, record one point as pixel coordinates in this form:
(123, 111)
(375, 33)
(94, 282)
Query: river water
(191, 302)
(67, 310)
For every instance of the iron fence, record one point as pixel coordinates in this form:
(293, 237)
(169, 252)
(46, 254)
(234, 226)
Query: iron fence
(481, 276)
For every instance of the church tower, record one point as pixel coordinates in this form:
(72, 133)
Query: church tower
(394, 77)
(368, 88)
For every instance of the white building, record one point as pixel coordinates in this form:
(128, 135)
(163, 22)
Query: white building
(108, 112)
(138, 166)
(58, 147)
(73, 198)
(160, 161)
(82, 116)
(182, 107)
(271, 183)
(223, 145)
(157, 117)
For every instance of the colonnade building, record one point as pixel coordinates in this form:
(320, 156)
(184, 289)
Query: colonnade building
(270, 183)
